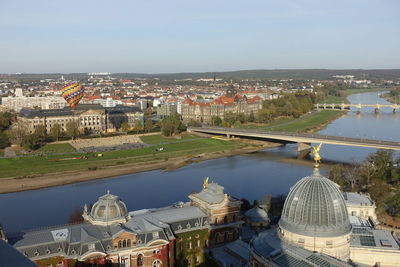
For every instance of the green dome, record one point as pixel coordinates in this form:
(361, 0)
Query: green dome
(315, 207)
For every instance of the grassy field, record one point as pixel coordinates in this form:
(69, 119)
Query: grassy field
(330, 99)
(308, 123)
(158, 139)
(55, 148)
(11, 167)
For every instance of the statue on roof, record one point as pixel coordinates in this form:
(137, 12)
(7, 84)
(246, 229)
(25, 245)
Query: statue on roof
(205, 183)
(317, 157)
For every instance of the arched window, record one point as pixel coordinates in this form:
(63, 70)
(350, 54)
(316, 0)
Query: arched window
(157, 263)
(140, 260)
(234, 217)
(225, 219)
(120, 244)
(226, 236)
(128, 243)
(124, 244)
(216, 220)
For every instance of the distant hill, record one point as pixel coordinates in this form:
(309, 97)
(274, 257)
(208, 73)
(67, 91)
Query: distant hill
(297, 74)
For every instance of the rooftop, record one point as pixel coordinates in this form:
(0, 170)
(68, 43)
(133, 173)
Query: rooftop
(368, 237)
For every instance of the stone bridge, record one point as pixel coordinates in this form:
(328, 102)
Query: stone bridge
(343, 106)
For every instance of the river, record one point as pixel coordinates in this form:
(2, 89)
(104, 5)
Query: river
(252, 176)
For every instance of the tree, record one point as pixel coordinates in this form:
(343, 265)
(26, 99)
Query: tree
(237, 124)
(5, 120)
(125, 127)
(40, 131)
(71, 129)
(336, 174)
(352, 176)
(55, 131)
(251, 118)
(138, 126)
(31, 142)
(4, 140)
(148, 125)
(383, 162)
(171, 125)
(216, 121)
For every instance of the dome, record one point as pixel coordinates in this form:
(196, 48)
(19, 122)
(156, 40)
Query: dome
(315, 207)
(107, 210)
(257, 214)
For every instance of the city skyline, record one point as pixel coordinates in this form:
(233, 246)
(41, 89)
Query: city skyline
(197, 36)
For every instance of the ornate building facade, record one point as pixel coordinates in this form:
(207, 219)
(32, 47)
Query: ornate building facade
(90, 118)
(172, 236)
(231, 102)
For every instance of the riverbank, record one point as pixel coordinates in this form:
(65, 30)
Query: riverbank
(43, 180)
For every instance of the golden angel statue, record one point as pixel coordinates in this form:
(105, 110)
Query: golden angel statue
(205, 183)
(317, 157)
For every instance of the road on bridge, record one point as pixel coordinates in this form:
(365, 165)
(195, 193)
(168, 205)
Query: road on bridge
(298, 137)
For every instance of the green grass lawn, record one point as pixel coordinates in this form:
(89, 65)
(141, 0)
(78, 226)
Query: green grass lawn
(158, 139)
(55, 148)
(23, 166)
(309, 122)
(330, 99)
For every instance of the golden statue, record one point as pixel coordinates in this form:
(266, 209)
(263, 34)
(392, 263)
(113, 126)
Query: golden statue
(317, 157)
(205, 183)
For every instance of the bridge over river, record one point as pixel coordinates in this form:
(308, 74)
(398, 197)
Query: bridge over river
(343, 106)
(303, 140)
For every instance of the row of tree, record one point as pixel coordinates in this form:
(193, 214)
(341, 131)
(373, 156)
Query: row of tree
(5, 123)
(378, 175)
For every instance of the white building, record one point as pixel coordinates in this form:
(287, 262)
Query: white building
(46, 102)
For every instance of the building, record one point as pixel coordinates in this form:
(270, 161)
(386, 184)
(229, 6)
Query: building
(90, 118)
(257, 218)
(45, 102)
(167, 109)
(231, 102)
(173, 235)
(360, 205)
(315, 229)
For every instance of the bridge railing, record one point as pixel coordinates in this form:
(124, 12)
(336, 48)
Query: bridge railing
(232, 131)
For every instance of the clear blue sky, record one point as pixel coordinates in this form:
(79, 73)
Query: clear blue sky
(197, 35)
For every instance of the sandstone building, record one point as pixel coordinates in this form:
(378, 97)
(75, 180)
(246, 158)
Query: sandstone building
(90, 118)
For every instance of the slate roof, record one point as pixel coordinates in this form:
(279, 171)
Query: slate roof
(72, 241)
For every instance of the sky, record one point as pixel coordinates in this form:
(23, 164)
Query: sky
(167, 36)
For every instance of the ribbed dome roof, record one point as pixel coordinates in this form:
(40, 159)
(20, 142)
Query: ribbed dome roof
(315, 207)
(108, 209)
(257, 214)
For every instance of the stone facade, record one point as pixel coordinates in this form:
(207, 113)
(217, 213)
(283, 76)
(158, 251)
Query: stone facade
(203, 112)
(89, 118)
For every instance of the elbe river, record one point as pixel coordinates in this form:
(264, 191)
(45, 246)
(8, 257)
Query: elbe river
(272, 171)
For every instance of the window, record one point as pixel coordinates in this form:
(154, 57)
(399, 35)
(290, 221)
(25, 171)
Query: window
(155, 235)
(140, 260)
(124, 243)
(197, 259)
(198, 243)
(91, 246)
(189, 245)
(120, 244)
(216, 220)
(157, 263)
(128, 243)
(225, 219)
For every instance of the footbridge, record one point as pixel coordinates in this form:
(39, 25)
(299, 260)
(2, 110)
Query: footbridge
(303, 140)
(343, 106)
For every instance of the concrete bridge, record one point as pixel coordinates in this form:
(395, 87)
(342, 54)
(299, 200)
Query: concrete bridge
(343, 106)
(303, 140)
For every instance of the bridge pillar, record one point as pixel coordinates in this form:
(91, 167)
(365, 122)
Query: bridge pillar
(377, 110)
(303, 150)
(228, 136)
(394, 110)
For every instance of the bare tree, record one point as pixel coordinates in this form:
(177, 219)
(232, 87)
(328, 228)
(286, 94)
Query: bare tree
(352, 176)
